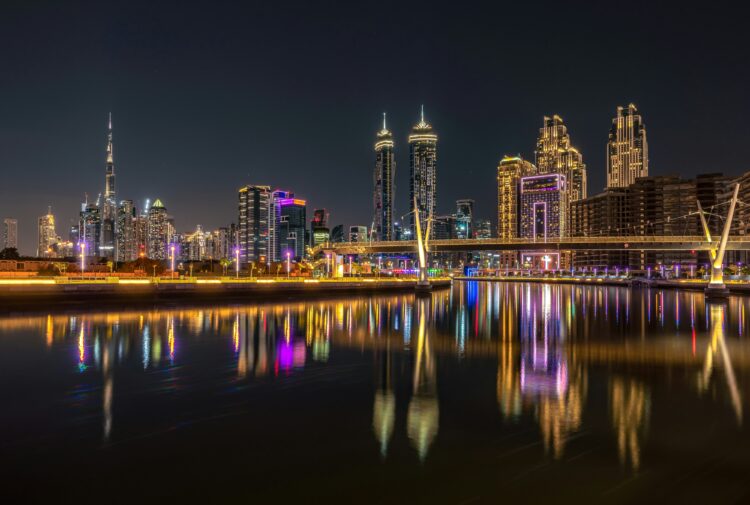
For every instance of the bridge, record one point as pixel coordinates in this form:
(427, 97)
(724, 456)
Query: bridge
(601, 243)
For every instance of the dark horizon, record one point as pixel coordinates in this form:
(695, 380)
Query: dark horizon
(205, 101)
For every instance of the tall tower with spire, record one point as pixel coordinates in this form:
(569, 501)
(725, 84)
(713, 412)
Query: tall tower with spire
(422, 168)
(385, 169)
(109, 210)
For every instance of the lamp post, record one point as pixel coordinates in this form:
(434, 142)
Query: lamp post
(237, 262)
(351, 266)
(83, 258)
(171, 251)
(288, 263)
(328, 265)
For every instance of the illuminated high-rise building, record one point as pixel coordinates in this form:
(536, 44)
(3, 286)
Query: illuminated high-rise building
(90, 228)
(109, 207)
(423, 175)
(510, 170)
(385, 169)
(141, 234)
(543, 214)
(274, 218)
(627, 149)
(47, 237)
(464, 221)
(291, 227)
(555, 155)
(254, 207)
(126, 245)
(543, 206)
(158, 231)
(10, 233)
(319, 231)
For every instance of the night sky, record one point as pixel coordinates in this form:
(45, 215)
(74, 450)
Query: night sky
(209, 96)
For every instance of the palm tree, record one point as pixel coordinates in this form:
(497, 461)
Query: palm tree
(225, 262)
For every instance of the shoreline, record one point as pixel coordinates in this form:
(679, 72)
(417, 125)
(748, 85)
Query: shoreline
(23, 294)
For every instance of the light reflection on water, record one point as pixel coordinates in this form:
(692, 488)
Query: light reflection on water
(564, 356)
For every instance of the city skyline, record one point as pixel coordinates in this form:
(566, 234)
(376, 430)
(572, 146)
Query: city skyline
(194, 107)
(554, 152)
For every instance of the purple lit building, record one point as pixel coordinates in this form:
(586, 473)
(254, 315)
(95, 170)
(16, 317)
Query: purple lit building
(543, 215)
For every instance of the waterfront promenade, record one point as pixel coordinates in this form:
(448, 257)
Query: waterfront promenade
(16, 293)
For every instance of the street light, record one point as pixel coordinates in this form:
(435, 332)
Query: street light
(171, 249)
(83, 257)
(328, 265)
(237, 262)
(288, 258)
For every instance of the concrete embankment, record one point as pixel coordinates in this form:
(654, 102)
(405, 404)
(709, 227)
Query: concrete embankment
(35, 292)
(735, 287)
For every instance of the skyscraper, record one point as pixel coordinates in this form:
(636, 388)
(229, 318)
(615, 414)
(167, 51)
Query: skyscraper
(254, 218)
(291, 227)
(319, 232)
(158, 233)
(385, 168)
(627, 149)
(464, 222)
(543, 207)
(90, 228)
(555, 155)
(543, 213)
(10, 233)
(422, 168)
(47, 237)
(127, 249)
(109, 209)
(274, 218)
(510, 170)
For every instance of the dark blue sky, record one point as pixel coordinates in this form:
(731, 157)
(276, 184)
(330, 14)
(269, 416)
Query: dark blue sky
(208, 96)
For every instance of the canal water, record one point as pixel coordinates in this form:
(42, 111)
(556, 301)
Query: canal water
(482, 393)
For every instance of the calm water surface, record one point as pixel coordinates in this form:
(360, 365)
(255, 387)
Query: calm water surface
(484, 393)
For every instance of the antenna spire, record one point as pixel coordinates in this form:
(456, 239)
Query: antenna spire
(423, 113)
(110, 121)
(384, 121)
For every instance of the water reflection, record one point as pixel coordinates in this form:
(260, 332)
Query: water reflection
(422, 418)
(564, 355)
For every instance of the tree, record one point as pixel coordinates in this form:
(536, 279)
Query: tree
(9, 253)
(225, 262)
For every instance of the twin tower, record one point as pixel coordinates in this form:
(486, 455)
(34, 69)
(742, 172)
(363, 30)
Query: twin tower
(422, 179)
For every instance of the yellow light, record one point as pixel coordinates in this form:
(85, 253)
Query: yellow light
(265, 281)
(311, 281)
(135, 281)
(26, 282)
(208, 281)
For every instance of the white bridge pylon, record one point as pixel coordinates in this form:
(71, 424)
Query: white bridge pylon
(717, 252)
(422, 247)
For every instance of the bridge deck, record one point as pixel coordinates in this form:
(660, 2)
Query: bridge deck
(630, 243)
